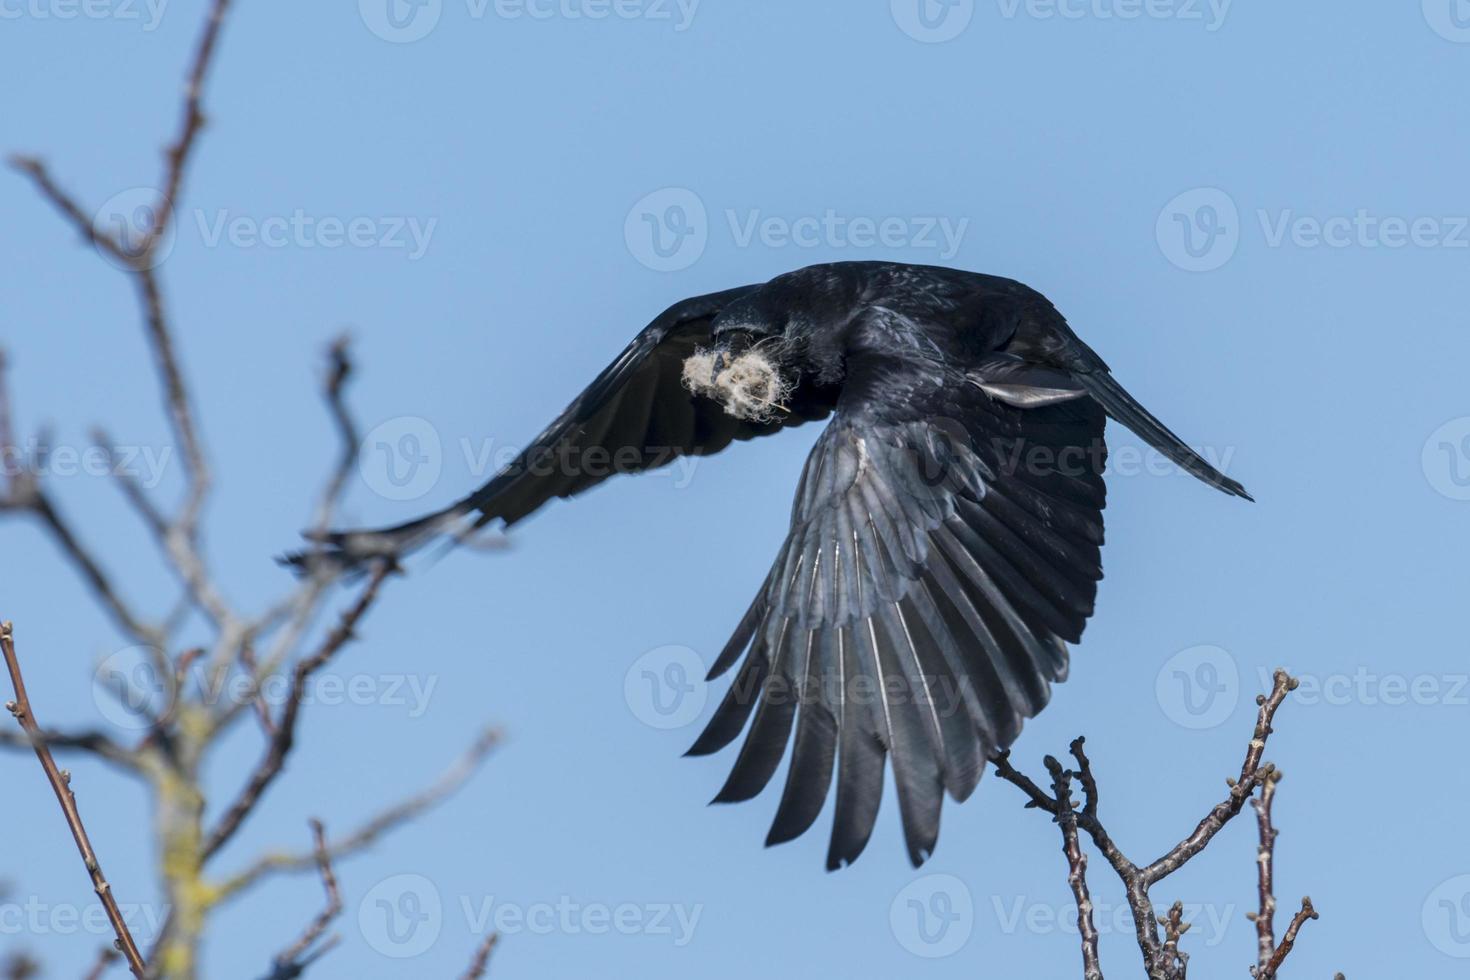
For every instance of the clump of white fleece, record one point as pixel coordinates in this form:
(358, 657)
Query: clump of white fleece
(749, 388)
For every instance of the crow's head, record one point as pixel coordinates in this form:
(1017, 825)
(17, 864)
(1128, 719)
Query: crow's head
(745, 369)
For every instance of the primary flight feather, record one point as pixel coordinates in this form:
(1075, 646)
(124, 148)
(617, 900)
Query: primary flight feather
(945, 539)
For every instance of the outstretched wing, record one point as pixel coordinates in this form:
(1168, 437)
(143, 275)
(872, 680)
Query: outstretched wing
(637, 415)
(940, 558)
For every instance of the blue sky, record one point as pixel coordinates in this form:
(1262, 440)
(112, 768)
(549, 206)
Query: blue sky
(1256, 213)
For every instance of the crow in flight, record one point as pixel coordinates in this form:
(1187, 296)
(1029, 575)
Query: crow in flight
(944, 541)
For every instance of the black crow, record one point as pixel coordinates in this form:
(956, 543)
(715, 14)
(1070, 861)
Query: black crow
(944, 542)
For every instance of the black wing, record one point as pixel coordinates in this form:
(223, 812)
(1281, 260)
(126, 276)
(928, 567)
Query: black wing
(637, 415)
(939, 560)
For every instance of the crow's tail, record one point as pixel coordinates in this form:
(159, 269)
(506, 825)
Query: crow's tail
(1121, 406)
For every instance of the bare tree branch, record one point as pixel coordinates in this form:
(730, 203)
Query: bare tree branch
(285, 737)
(40, 176)
(291, 957)
(170, 759)
(22, 492)
(1162, 957)
(1076, 868)
(1265, 917)
(377, 826)
(1288, 941)
(61, 785)
(1251, 774)
(97, 743)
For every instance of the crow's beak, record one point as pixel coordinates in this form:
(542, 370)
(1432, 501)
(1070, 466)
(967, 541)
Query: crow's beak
(720, 364)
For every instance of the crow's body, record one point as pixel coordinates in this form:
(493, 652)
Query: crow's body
(945, 539)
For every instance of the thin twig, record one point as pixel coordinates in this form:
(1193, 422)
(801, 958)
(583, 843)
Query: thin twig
(1076, 868)
(1251, 772)
(21, 491)
(61, 785)
(105, 958)
(36, 170)
(1174, 929)
(193, 117)
(97, 743)
(292, 954)
(1265, 916)
(481, 962)
(1288, 941)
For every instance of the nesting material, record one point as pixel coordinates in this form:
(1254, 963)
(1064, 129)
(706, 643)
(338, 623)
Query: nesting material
(750, 387)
